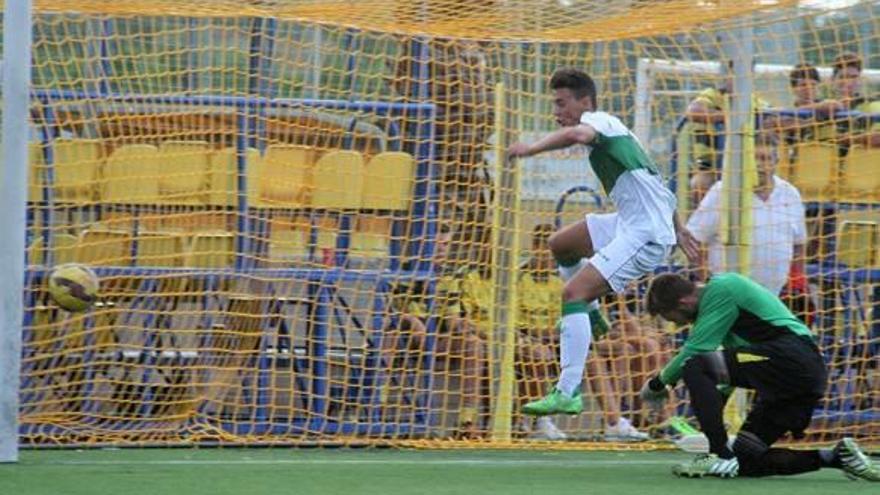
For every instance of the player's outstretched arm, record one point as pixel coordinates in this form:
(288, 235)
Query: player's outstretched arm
(686, 241)
(558, 139)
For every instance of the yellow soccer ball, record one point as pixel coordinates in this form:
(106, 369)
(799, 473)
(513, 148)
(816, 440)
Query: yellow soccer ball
(73, 287)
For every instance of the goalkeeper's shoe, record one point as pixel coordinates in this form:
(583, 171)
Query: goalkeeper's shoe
(556, 402)
(707, 465)
(856, 464)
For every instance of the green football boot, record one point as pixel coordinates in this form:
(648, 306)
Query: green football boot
(707, 465)
(856, 464)
(556, 402)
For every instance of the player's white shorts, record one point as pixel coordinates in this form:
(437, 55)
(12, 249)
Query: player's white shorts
(619, 258)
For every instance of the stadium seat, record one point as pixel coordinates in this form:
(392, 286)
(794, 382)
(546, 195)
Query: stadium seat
(101, 247)
(815, 171)
(861, 175)
(388, 181)
(288, 241)
(185, 168)
(370, 237)
(35, 172)
(224, 175)
(131, 175)
(339, 181)
(77, 169)
(283, 176)
(160, 249)
(784, 166)
(211, 250)
(857, 242)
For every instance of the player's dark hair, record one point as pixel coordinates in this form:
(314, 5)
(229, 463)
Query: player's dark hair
(802, 72)
(844, 60)
(666, 291)
(580, 84)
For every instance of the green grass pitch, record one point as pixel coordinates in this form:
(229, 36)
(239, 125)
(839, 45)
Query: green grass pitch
(279, 471)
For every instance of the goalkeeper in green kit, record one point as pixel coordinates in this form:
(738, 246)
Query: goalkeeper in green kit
(766, 349)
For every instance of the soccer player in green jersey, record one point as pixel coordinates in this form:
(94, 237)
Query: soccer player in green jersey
(765, 348)
(605, 251)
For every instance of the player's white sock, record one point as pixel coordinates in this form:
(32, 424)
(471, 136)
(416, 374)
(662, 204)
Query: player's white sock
(566, 272)
(574, 345)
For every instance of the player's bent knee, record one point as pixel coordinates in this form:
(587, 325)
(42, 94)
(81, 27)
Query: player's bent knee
(707, 363)
(748, 447)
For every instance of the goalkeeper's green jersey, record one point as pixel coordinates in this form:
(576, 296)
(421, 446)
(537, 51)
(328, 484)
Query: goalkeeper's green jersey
(733, 312)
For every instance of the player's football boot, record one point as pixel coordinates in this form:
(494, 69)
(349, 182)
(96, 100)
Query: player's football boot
(707, 465)
(556, 402)
(855, 463)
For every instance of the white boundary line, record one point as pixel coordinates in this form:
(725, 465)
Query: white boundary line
(356, 462)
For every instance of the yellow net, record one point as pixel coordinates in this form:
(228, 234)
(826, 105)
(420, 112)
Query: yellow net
(305, 234)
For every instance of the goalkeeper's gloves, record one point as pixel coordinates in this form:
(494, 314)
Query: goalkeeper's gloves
(654, 393)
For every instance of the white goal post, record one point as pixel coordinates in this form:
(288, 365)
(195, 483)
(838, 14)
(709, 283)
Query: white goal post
(13, 194)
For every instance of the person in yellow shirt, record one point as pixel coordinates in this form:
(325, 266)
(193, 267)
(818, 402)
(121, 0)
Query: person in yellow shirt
(457, 339)
(706, 112)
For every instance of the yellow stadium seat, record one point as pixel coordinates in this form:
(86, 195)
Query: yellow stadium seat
(224, 175)
(784, 166)
(160, 249)
(131, 175)
(815, 171)
(77, 169)
(63, 249)
(211, 250)
(185, 168)
(370, 238)
(338, 181)
(104, 247)
(861, 175)
(857, 243)
(288, 240)
(388, 181)
(283, 176)
(36, 165)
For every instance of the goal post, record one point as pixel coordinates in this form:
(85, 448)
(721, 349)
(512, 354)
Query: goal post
(16, 70)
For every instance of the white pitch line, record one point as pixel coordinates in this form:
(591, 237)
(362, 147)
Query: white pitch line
(355, 462)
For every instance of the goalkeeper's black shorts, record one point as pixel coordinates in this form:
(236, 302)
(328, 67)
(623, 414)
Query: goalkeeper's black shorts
(789, 377)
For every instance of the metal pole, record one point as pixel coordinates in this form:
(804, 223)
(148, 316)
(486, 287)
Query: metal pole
(13, 192)
(738, 46)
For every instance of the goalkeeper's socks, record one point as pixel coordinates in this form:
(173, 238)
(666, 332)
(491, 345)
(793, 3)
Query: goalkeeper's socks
(574, 345)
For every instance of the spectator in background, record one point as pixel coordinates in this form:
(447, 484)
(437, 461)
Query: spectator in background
(706, 112)
(813, 123)
(846, 92)
(614, 369)
(537, 341)
(778, 223)
(622, 360)
(457, 339)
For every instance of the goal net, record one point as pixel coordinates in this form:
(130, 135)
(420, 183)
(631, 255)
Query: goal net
(306, 233)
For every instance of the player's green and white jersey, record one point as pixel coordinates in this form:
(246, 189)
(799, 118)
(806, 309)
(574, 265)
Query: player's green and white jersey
(733, 312)
(631, 180)
(615, 149)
